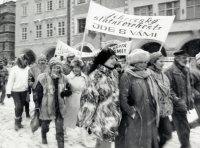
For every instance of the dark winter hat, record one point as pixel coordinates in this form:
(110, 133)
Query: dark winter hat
(154, 57)
(77, 62)
(103, 56)
(181, 52)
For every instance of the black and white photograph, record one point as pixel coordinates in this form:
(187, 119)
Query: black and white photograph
(99, 73)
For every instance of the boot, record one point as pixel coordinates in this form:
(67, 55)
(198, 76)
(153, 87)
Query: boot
(44, 138)
(17, 124)
(61, 144)
(20, 121)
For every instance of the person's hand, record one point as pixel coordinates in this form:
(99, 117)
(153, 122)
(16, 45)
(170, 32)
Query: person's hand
(65, 93)
(191, 104)
(180, 106)
(8, 95)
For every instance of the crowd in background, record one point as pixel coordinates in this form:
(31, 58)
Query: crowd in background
(129, 105)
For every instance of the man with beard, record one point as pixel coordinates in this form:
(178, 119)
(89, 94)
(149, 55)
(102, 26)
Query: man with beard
(66, 66)
(17, 86)
(35, 70)
(3, 80)
(179, 77)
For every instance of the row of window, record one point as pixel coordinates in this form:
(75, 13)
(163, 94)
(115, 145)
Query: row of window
(49, 30)
(171, 8)
(49, 6)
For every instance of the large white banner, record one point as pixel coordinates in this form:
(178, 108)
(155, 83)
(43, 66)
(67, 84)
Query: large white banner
(63, 49)
(102, 19)
(122, 49)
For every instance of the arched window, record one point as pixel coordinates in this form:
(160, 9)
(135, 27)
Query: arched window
(153, 47)
(192, 47)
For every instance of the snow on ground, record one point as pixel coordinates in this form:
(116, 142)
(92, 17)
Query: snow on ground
(24, 138)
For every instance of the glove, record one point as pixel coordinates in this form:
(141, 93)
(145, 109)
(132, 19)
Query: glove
(65, 93)
(68, 86)
(191, 105)
(8, 95)
(37, 110)
(180, 106)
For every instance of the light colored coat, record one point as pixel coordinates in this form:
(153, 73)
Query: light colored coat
(77, 84)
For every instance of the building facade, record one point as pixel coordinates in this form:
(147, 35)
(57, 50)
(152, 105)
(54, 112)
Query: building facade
(7, 30)
(39, 24)
(185, 31)
(93, 40)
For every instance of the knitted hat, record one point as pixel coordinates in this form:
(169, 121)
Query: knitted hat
(1, 62)
(154, 57)
(103, 56)
(198, 58)
(42, 57)
(138, 55)
(77, 62)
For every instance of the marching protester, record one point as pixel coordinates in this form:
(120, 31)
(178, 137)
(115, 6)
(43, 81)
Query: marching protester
(17, 87)
(35, 70)
(49, 101)
(77, 82)
(179, 77)
(3, 81)
(156, 64)
(139, 103)
(66, 66)
(100, 111)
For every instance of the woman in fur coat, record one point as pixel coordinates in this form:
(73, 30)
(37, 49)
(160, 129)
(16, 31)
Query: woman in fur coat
(139, 103)
(100, 111)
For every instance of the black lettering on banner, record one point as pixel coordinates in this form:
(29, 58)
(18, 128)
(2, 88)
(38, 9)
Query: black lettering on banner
(96, 26)
(111, 29)
(122, 31)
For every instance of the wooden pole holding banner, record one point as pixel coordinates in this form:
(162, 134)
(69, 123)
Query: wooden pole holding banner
(161, 47)
(82, 43)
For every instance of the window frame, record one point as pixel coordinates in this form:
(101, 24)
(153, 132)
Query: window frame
(194, 6)
(49, 29)
(78, 25)
(38, 28)
(40, 9)
(141, 8)
(24, 33)
(61, 4)
(61, 28)
(173, 9)
(78, 2)
(24, 10)
(49, 5)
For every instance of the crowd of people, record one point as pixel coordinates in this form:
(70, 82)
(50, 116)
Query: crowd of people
(129, 105)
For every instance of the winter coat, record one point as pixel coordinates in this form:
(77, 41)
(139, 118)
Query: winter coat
(35, 71)
(100, 109)
(45, 97)
(17, 80)
(181, 87)
(164, 91)
(136, 98)
(195, 81)
(77, 84)
(3, 76)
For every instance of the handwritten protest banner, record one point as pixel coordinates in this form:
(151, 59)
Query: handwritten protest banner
(63, 49)
(122, 49)
(102, 19)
